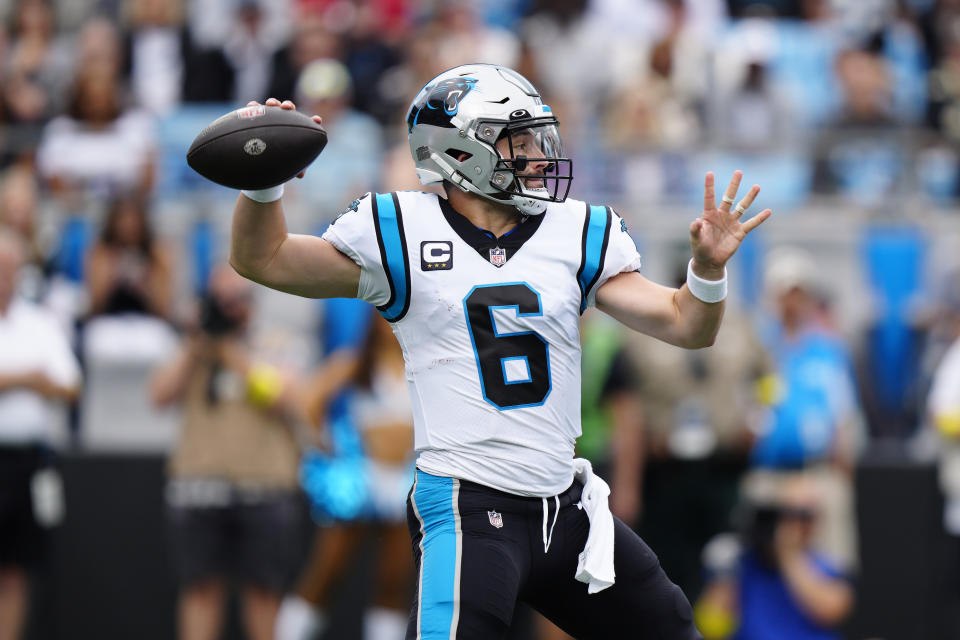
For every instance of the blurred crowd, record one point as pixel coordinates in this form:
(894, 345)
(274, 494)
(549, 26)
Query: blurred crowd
(824, 96)
(111, 271)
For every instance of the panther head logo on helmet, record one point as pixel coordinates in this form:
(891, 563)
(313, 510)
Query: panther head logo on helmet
(440, 102)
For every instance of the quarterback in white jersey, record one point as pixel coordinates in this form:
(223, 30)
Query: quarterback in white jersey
(490, 330)
(484, 289)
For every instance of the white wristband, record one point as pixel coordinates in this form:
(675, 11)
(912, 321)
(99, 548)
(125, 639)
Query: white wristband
(270, 194)
(706, 290)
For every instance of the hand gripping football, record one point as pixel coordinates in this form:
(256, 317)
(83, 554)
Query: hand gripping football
(256, 147)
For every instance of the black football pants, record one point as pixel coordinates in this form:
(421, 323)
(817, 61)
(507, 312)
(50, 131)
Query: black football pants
(478, 551)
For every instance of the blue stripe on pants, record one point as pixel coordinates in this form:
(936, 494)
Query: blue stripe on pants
(433, 500)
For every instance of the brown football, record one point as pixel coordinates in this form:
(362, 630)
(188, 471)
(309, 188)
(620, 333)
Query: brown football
(256, 147)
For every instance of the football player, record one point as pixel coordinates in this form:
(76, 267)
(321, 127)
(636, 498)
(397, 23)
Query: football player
(484, 290)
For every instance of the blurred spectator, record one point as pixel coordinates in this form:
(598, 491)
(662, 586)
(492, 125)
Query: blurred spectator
(35, 49)
(364, 35)
(167, 62)
(690, 28)
(465, 38)
(813, 422)
(34, 74)
(943, 407)
(859, 154)
(311, 40)
(654, 106)
(373, 46)
(249, 49)
(99, 45)
(19, 198)
(100, 147)
(419, 65)
(233, 506)
(938, 22)
(699, 408)
(155, 46)
(571, 58)
(771, 583)
(37, 366)
(380, 411)
(128, 269)
(865, 81)
(755, 116)
(944, 78)
(18, 201)
(652, 113)
(351, 161)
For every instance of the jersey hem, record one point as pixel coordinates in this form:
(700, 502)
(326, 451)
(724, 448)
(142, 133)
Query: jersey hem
(558, 489)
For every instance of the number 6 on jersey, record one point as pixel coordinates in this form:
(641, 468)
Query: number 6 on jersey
(514, 367)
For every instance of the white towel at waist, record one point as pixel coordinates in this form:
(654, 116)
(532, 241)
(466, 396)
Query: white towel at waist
(595, 566)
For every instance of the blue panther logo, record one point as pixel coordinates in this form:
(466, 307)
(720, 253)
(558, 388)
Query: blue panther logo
(440, 102)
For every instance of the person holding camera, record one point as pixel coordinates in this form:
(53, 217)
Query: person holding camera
(769, 582)
(233, 503)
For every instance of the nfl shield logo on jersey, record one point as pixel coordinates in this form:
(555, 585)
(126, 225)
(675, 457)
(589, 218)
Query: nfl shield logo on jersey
(498, 257)
(495, 519)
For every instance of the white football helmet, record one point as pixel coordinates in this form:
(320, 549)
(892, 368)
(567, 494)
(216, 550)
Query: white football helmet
(460, 118)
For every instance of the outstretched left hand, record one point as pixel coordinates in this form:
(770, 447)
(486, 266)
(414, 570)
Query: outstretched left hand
(716, 235)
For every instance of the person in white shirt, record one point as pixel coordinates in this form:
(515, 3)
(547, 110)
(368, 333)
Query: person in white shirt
(484, 290)
(37, 366)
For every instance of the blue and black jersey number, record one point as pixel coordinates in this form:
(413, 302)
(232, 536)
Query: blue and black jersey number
(514, 367)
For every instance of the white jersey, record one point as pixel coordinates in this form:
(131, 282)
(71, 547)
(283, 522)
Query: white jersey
(490, 328)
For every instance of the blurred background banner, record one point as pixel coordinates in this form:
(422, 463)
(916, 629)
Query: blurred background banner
(122, 342)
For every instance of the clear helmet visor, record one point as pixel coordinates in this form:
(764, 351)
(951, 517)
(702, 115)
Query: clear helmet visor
(532, 154)
(535, 143)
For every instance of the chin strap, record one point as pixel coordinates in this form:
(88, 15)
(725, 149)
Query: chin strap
(529, 206)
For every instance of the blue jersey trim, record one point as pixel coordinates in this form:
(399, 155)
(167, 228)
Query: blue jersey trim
(433, 498)
(388, 222)
(596, 235)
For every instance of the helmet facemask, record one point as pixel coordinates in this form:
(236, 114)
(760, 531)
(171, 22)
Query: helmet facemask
(530, 169)
(484, 129)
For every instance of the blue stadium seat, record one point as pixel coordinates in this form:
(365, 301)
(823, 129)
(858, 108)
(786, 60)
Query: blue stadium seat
(894, 260)
(70, 255)
(203, 250)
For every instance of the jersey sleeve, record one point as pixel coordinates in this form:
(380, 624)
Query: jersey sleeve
(613, 251)
(354, 234)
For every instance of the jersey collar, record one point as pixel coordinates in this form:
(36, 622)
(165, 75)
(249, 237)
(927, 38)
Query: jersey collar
(482, 240)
